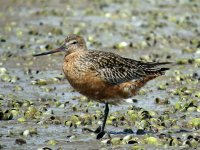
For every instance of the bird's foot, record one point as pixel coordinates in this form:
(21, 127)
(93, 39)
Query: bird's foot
(98, 130)
(87, 130)
(100, 135)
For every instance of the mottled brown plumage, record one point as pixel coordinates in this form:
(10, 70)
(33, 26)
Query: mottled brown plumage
(103, 76)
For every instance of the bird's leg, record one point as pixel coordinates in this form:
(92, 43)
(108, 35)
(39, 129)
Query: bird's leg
(106, 111)
(102, 132)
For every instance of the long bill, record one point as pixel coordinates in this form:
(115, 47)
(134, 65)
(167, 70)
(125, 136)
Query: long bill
(60, 49)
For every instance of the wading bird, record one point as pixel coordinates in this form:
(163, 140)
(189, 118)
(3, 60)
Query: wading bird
(104, 76)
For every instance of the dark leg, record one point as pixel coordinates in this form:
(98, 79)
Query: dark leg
(102, 132)
(106, 111)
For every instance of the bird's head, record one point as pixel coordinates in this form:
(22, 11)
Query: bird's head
(72, 43)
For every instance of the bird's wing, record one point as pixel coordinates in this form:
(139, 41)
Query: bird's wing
(118, 75)
(115, 69)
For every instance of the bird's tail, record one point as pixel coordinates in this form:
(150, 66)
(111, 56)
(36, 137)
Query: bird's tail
(155, 68)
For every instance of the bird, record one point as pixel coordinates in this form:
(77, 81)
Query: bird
(103, 76)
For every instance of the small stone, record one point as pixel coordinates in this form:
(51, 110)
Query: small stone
(127, 138)
(106, 141)
(20, 141)
(195, 122)
(26, 133)
(132, 142)
(44, 148)
(120, 45)
(140, 132)
(130, 131)
(22, 119)
(151, 140)
(39, 82)
(116, 140)
(52, 142)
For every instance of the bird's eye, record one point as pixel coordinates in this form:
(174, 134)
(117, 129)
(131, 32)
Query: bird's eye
(74, 42)
(71, 43)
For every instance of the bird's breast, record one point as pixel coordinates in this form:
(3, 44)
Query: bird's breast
(73, 69)
(81, 76)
